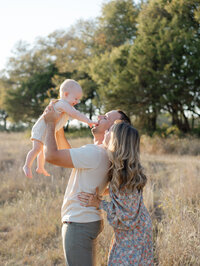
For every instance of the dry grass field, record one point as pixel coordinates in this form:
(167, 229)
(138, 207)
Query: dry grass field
(30, 227)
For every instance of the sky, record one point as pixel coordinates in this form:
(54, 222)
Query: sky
(28, 19)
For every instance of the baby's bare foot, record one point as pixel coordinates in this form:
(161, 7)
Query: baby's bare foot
(27, 171)
(42, 171)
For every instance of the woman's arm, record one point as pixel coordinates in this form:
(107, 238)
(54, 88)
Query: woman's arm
(94, 200)
(106, 192)
(89, 199)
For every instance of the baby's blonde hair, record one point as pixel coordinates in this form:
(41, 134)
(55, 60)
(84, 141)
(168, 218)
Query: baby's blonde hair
(69, 85)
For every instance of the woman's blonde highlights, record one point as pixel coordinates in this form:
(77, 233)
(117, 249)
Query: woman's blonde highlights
(124, 154)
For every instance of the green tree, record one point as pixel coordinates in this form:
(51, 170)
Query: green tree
(3, 114)
(35, 73)
(116, 24)
(110, 73)
(27, 100)
(164, 59)
(159, 71)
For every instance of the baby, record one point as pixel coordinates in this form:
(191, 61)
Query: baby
(70, 94)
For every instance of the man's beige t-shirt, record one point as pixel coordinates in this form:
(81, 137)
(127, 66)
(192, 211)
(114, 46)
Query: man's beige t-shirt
(90, 171)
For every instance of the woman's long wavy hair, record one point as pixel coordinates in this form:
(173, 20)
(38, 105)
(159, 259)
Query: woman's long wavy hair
(124, 154)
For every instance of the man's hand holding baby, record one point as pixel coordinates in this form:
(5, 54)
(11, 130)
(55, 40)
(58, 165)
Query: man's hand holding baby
(51, 116)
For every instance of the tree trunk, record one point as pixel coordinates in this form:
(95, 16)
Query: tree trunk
(151, 122)
(153, 119)
(177, 121)
(91, 110)
(185, 124)
(66, 128)
(192, 122)
(5, 123)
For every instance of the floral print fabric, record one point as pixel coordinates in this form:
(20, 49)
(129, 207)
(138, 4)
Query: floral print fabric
(132, 244)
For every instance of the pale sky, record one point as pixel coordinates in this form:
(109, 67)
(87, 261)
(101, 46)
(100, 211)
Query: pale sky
(27, 19)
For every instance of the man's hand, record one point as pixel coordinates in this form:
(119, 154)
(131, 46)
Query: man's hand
(50, 115)
(52, 154)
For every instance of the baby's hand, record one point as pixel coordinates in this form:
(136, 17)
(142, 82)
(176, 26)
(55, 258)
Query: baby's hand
(92, 123)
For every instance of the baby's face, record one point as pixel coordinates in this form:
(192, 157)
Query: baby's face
(74, 97)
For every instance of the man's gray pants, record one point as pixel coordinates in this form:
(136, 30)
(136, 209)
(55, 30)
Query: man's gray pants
(79, 242)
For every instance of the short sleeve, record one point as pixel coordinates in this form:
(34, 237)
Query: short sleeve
(87, 156)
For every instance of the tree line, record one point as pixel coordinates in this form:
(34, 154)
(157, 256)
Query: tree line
(142, 58)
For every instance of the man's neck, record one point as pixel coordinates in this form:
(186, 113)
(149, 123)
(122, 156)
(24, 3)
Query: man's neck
(98, 139)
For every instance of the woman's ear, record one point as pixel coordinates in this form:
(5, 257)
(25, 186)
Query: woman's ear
(66, 93)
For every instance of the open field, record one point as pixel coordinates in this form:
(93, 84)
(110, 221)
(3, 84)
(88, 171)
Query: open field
(30, 227)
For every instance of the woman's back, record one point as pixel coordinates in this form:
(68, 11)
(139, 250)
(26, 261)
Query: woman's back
(132, 243)
(128, 209)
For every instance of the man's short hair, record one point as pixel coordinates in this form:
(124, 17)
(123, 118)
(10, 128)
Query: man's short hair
(124, 117)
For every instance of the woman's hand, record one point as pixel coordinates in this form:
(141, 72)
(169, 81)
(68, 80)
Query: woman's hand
(88, 199)
(106, 192)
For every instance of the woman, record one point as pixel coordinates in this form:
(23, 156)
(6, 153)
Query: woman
(126, 212)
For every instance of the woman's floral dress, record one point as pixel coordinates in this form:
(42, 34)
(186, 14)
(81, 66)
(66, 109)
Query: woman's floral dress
(132, 226)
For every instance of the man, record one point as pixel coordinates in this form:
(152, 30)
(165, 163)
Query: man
(81, 225)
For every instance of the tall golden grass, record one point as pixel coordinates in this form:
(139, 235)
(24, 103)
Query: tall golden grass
(30, 226)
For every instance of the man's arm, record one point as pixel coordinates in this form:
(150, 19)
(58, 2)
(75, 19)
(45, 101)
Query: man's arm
(62, 142)
(52, 154)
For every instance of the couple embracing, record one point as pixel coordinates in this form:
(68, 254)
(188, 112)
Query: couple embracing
(113, 162)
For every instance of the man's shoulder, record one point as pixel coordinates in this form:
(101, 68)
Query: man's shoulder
(85, 148)
(96, 151)
(91, 151)
(94, 147)
(87, 156)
